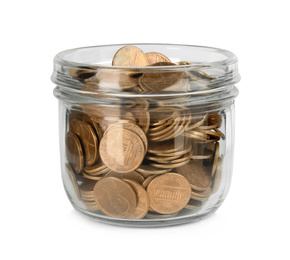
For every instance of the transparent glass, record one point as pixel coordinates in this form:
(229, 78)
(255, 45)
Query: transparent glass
(146, 145)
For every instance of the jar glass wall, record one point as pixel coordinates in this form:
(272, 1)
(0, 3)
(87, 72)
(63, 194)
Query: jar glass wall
(148, 145)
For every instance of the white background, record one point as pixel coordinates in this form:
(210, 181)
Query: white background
(37, 220)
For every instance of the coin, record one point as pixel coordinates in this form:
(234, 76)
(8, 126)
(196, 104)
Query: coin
(114, 80)
(193, 204)
(142, 200)
(127, 175)
(154, 57)
(122, 150)
(170, 165)
(196, 175)
(168, 193)
(147, 169)
(131, 127)
(115, 197)
(169, 146)
(89, 141)
(156, 215)
(99, 166)
(74, 152)
(163, 80)
(73, 180)
(92, 177)
(143, 120)
(217, 175)
(130, 56)
(215, 160)
(87, 189)
(148, 181)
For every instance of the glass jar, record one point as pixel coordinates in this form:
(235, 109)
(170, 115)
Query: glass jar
(146, 131)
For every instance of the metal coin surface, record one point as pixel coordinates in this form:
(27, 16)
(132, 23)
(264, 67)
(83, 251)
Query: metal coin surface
(73, 180)
(154, 57)
(122, 150)
(196, 175)
(169, 193)
(147, 169)
(215, 160)
(142, 200)
(74, 152)
(89, 141)
(148, 181)
(127, 175)
(115, 197)
(163, 80)
(130, 56)
(132, 127)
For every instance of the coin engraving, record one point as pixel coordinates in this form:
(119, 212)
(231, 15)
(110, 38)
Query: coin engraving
(115, 197)
(169, 193)
(122, 150)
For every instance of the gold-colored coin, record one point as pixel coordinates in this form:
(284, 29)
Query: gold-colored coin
(196, 175)
(96, 168)
(163, 80)
(143, 120)
(148, 170)
(122, 150)
(132, 127)
(92, 177)
(114, 80)
(203, 194)
(115, 197)
(74, 152)
(155, 215)
(168, 193)
(142, 200)
(169, 146)
(148, 181)
(170, 165)
(206, 154)
(201, 75)
(215, 160)
(194, 204)
(91, 206)
(89, 141)
(217, 175)
(127, 175)
(73, 180)
(130, 56)
(81, 73)
(87, 190)
(154, 57)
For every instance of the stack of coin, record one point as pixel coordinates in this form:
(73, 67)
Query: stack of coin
(169, 154)
(138, 157)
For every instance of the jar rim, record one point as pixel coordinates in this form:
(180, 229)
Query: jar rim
(220, 63)
(61, 59)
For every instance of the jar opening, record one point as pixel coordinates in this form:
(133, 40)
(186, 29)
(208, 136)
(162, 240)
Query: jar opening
(192, 70)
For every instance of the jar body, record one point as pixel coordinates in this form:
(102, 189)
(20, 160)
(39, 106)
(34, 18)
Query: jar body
(189, 152)
(146, 146)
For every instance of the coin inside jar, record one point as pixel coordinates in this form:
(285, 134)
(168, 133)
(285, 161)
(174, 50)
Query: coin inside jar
(115, 197)
(122, 150)
(154, 57)
(169, 193)
(74, 152)
(142, 200)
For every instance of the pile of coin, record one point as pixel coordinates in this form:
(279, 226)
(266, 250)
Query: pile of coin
(135, 158)
(159, 81)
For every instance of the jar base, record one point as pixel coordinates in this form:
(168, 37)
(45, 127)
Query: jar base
(152, 223)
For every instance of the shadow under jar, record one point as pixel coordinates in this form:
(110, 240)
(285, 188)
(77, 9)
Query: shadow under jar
(146, 131)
